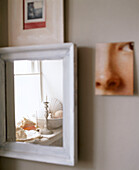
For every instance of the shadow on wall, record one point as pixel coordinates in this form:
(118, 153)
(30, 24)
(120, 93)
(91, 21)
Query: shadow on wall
(135, 76)
(86, 60)
(11, 162)
(3, 23)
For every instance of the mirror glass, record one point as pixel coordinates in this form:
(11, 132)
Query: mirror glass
(38, 98)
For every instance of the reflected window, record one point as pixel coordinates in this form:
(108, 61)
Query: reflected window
(38, 88)
(27, 78)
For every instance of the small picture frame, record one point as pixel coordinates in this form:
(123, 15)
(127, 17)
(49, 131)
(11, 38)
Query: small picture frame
(34, 14)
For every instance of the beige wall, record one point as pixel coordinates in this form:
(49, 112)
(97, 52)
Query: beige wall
(109, 125)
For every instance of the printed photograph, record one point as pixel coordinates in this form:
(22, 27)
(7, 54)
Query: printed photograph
(114, 68)
(34, 14)
(35, 10)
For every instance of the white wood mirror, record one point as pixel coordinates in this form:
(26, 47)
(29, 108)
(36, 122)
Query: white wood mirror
(38, 103)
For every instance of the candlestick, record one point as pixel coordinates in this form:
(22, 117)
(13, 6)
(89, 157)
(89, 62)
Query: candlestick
(45, 130)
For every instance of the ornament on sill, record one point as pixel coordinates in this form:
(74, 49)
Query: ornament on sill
(54, 106)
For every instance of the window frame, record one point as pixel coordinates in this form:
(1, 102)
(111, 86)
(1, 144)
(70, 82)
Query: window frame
(66, 155)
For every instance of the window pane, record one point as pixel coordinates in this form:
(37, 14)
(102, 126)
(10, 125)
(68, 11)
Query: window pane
(27, 96)
(26, 67)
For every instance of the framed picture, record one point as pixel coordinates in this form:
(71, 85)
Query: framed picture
(37, 22)
(45, 135)
(34, 14)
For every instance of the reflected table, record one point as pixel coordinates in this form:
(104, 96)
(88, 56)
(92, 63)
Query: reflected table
(55, 139)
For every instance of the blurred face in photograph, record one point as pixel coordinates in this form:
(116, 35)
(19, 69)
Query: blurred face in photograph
(114, 69)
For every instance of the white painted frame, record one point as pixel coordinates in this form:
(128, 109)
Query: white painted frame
(66, 155)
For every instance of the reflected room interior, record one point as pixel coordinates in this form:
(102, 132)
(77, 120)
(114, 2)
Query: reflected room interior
(38, 93)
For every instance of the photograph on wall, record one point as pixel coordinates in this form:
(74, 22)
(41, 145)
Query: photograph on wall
(34, 14)
(114, 68)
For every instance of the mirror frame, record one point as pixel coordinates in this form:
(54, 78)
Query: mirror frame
(66, 155)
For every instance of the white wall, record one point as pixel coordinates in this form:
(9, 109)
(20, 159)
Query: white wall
(108, 125)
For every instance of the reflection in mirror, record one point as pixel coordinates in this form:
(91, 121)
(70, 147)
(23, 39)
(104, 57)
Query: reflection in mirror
(38, 89)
